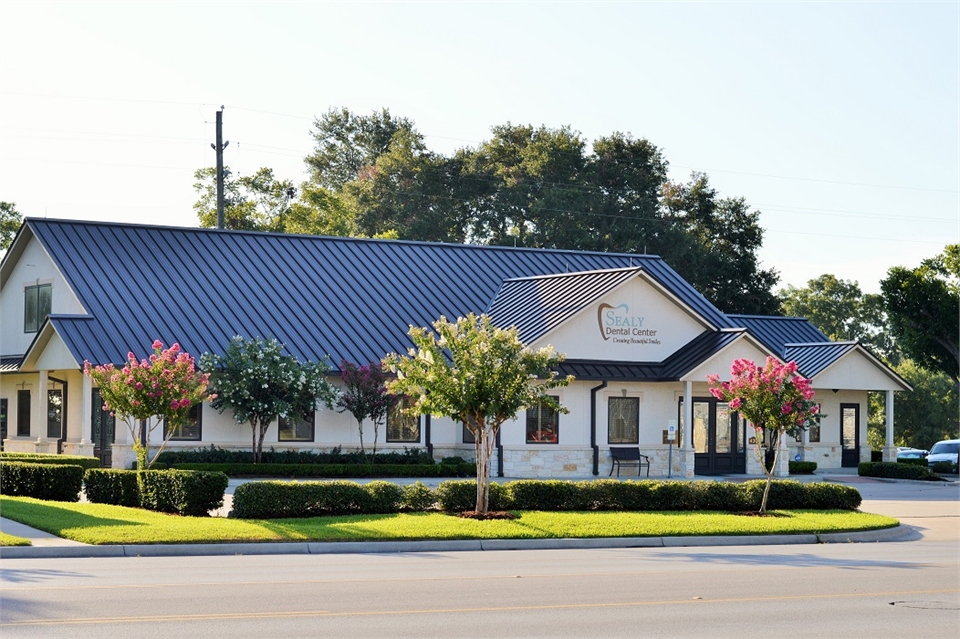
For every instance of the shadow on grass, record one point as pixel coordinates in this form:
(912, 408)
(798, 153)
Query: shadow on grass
(54, 519)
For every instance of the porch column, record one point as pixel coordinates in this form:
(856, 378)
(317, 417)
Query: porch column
(686, 451)
(86, 410)
(38, 425)
(889, 451)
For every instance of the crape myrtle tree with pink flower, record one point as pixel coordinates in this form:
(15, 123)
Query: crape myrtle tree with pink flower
(773, 397)
(161, 389)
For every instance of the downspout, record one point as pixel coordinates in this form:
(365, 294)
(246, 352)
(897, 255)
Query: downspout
(499, 456)
(427, 435)
(593, 426)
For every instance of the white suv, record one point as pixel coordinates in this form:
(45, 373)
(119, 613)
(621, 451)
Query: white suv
(944, 451)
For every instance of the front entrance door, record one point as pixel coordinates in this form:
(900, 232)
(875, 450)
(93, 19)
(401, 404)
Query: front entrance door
(850, 435)
(718, 438)
(103, 430)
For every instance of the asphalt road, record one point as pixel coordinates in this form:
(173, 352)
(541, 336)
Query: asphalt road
(888, 589)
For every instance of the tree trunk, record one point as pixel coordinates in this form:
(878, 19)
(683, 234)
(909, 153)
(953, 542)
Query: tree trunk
(363, 452)
(769, 474)
(483, 470)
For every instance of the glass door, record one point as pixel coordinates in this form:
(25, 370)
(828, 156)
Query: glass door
(850, 435)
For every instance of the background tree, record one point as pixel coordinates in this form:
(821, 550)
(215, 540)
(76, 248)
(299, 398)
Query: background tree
(364, 395)
(728, 235)
(347, 143)
(923, 306)
(477, 374)
(772, 397)
(160, 389)
(842, 312)
(10, 222)
(260, 384)
(921, 417)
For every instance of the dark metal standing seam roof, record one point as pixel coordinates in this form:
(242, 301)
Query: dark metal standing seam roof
(347, 298)
(776, 332)
(812, 359)
(537, 305)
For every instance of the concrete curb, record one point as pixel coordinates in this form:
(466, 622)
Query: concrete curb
(897, 533)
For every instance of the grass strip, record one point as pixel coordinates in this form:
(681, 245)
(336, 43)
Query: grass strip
(104, 524)
(13, 540)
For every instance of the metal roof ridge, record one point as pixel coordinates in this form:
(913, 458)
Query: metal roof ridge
(338, 238)
(768, 317)
(622, 269)
(831, 343)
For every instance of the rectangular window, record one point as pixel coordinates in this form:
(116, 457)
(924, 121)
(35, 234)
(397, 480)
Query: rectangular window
(189, 430)
(36, 306)
(468, 437)
(23, 413)
(3, 420)
(543, 424)
(401, 426)
(814, 433)
(55, 414)
(297, 429)
(623, 420)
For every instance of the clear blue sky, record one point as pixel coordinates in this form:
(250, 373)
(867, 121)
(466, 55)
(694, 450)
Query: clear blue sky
(840, 122)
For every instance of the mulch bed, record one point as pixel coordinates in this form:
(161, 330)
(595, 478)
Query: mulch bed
(492, 514)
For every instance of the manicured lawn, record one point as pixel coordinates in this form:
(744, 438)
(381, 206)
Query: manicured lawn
(103, 524)
(11, 540)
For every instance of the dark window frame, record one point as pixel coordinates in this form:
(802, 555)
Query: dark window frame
(630, 400)
(4, 408)
(394, 410)
(178, 435)
(535, 415)
(32, 298)
(309, 419)
(23, 413)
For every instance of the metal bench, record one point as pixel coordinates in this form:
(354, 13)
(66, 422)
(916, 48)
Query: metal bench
(629, 457)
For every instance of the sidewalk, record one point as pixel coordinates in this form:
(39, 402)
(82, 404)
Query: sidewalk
(46, 545)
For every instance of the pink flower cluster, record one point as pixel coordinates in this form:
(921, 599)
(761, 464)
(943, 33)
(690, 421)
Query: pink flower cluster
(166, 384)
(772, 396)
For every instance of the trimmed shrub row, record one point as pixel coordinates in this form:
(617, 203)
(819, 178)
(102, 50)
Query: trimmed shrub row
(266, 500)
(184, 492)
(214, 455)
(895, 470)
(337, 470)
(802, 467)
(45, 458)
(275, 499)
(54, 482)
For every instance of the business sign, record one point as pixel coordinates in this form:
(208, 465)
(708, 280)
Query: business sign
(619, 325)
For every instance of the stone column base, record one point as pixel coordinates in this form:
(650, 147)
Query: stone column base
(889, 453)
(686, 456)
(123, 455)
(84, 449)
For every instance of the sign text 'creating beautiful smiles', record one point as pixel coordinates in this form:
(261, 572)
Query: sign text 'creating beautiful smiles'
(618, 324)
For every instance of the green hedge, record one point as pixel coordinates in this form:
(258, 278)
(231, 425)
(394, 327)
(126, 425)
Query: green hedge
(275, 499)
(184, 492)
(802, 467)
(895, 470)
(214, 455)
(45, 458)
(112, 486)
(913, 461)
(336, 470)
(54, 482)
(945, 467)
(263, 500)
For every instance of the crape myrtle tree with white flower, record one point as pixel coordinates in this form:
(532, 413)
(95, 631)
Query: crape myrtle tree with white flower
(148, 392)
(477, 374)
(773, 397)
(260, 384)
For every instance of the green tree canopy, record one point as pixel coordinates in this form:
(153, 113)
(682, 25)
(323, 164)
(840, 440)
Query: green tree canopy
(478, 374)
(842, 312)
(921, 417)
(258, 383)
(923, 307)
(10, 221)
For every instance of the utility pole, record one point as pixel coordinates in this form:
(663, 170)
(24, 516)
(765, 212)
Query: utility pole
(219, 147)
